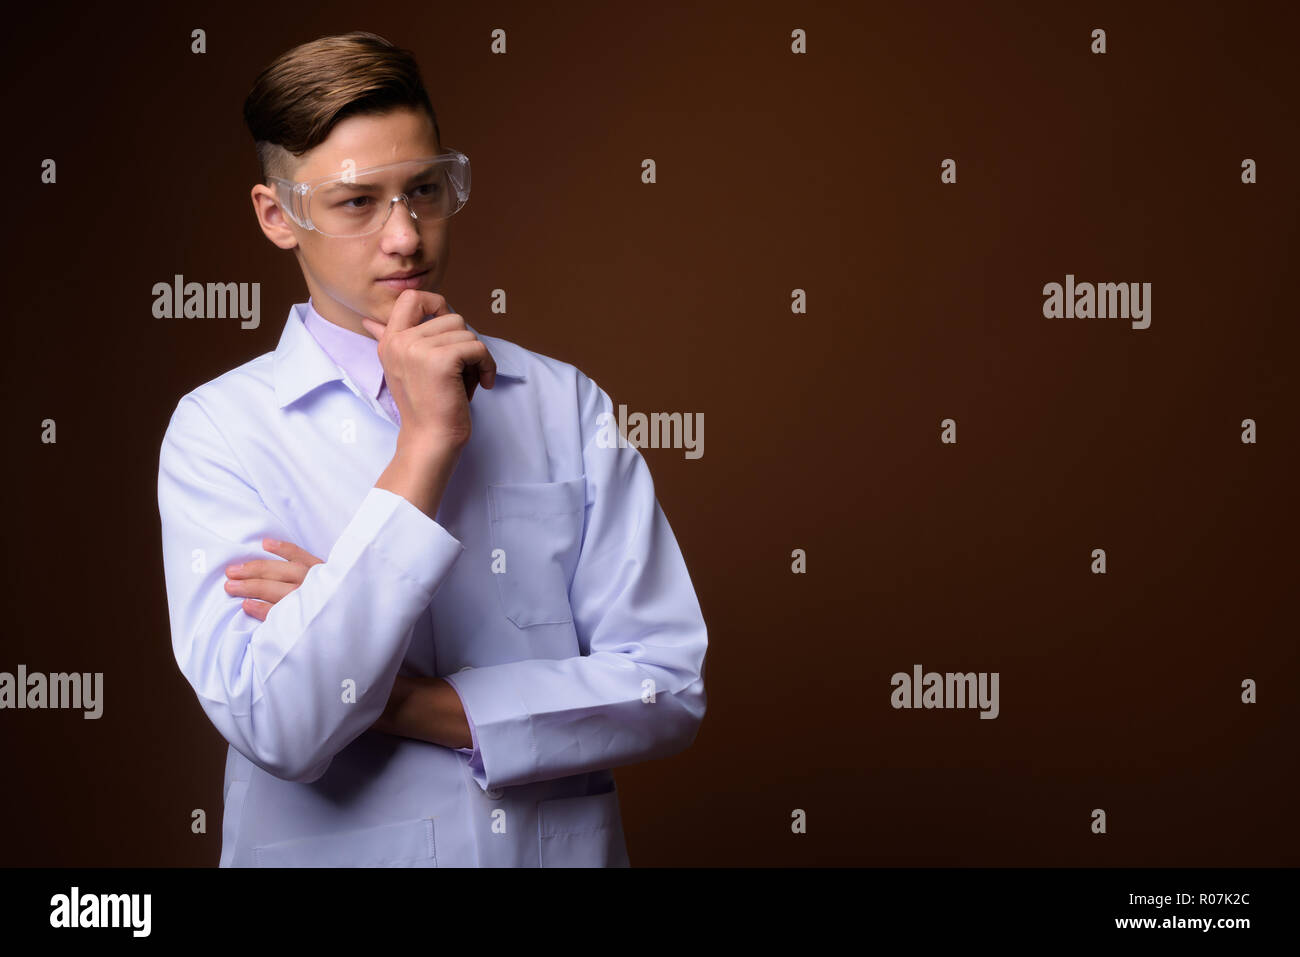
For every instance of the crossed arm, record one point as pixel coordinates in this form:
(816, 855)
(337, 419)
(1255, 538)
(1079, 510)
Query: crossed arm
(427, 709)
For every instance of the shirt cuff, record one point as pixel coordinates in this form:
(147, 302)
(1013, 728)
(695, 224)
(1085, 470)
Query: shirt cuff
(473, 733)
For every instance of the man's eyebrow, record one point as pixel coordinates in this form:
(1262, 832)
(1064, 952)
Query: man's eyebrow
(373, 187)
(350, 187)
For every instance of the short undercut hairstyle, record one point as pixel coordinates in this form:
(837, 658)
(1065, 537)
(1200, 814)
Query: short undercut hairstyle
(298, 99)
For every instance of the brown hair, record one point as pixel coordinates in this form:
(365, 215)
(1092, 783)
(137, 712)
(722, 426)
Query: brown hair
(297, 100)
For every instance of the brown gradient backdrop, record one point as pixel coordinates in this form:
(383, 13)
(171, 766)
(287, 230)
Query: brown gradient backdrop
(775, 172)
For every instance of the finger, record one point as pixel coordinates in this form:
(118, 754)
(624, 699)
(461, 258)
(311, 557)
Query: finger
(475, 355)
(258, 588)
(446, 337)
(470, 352)
(412, 306)
(439, 326)
(292, 552)
(257, 609)
(270, 569)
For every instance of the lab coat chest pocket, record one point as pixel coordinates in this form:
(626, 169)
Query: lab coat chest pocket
(584, 831)
(536, 533)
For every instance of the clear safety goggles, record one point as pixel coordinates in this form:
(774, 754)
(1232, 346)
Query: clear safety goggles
(359, 202)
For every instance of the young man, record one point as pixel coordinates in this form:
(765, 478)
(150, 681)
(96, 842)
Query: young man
(502, 612)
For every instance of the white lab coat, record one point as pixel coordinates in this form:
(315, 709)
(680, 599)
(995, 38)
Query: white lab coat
(585, 654)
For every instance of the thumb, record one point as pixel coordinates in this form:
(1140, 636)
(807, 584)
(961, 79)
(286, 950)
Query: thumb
(375, 329)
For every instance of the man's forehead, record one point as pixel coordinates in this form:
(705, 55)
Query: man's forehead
(356, 167)
(369, 140)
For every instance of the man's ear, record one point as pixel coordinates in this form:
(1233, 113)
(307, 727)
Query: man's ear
(271, 218)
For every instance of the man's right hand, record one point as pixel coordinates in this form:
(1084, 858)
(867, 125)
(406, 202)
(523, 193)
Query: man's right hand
(431, 368)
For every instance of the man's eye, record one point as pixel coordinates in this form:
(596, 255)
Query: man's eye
(346, 204)
(428, 189)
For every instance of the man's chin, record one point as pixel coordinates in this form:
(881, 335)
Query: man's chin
(379, 312)
(385, 299)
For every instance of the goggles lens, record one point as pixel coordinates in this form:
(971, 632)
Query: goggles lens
(360, 203)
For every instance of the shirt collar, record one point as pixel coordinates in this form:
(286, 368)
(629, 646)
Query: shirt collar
(355, 354)
(300, 364)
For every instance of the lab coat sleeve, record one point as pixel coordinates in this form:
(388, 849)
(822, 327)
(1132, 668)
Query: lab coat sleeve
(291, 691)
(636, 692)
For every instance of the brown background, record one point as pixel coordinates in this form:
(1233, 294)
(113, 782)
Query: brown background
(775, 172)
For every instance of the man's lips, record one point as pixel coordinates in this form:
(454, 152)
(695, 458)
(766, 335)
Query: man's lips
(407, 280)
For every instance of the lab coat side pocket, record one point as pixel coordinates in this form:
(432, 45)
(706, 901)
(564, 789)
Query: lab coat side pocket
(231, 816)
(403, 844)
(536, 533)
(583, 831)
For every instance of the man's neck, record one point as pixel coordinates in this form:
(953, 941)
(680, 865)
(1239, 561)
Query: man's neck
(340, 315)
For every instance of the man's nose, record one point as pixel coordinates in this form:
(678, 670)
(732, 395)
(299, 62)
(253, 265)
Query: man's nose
(401, 230)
